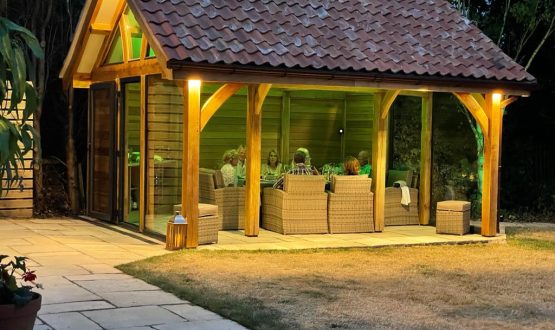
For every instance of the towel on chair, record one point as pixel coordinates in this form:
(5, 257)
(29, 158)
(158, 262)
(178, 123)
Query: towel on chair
(405, 192)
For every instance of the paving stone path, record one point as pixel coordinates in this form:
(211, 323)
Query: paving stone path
(75, 260)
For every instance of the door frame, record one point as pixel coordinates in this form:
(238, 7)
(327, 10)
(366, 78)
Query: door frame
(111, 215)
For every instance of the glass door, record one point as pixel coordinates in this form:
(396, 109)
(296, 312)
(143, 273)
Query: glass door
(102, 144)
(130, 145)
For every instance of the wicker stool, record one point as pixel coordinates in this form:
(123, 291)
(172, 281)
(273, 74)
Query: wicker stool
(453, 217)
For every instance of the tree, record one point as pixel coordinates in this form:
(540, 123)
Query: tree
(16, 43)
(532, 24)
(53, 23)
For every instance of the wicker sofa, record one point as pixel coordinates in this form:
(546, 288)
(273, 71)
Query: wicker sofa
(300, 208)
(396, 214)
(350, 205)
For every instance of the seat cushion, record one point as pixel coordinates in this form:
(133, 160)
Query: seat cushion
(459, 206)
(204, 210)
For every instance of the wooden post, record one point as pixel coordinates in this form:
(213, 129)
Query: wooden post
(492, 151)
(285, 125)
(488, 113)
(382, 104)
(190, 166)
(425, 161)
(256, 96)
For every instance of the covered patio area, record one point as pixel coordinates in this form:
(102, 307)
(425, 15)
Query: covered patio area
(393, 236)
(175, 82)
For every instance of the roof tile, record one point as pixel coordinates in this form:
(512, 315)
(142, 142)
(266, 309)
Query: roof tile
(423, 37)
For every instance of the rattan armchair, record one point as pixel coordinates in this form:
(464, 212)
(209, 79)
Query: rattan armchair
(300, 208)
(230, 200)
(396, 214)
(350, 205)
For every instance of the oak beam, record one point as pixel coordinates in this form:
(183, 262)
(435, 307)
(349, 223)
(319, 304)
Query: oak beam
(387, 101)
(190, 166)
(478, 112)
(425, 187)
(131, 69)
(216, 101)
(382, 103)
(506, 102)
(492, 146)
(256, 95)
(285, 126)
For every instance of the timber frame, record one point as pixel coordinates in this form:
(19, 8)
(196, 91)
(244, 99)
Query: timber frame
(485, 101)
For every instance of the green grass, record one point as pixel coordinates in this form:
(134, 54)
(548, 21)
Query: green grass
(407, 287)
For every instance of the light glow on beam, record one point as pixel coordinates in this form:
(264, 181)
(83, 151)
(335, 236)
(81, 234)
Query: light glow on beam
(194, 83)
(496, 97)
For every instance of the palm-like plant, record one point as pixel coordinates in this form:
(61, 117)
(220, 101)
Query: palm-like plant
(16, 135)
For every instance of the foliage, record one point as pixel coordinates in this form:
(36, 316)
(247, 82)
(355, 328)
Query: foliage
(15, 44)
(10, 291)
(406, 133)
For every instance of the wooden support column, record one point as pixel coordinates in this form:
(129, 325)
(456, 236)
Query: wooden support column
(492, 149)
(488, 112)
(285, 126)
(256, 96)
(190, 166)
(382, 104)
(425, 187)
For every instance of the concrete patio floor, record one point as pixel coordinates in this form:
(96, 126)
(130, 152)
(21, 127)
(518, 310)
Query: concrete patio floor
(391, 236)
(74, 261)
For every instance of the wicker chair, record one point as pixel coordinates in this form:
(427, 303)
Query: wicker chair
(300, 208)
(230, 200)
(350, 205)
(396, 214)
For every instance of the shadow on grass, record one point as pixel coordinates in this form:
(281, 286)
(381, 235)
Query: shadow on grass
(250, 312)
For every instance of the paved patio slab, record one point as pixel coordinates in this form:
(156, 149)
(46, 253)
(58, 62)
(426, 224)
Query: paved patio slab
(82, 290)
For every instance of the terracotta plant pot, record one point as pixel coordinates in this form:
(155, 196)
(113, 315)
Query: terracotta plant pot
(20, 318)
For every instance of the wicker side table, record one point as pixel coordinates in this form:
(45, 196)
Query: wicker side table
(453, 217)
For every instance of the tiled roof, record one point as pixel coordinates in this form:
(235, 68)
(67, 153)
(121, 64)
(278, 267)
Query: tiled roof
(404, 37)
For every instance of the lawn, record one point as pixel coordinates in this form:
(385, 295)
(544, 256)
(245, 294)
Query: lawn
(504, 286)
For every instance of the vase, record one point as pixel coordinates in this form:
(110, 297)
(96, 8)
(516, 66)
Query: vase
(22, 317)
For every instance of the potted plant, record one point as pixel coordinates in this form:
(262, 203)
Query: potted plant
(18, 303)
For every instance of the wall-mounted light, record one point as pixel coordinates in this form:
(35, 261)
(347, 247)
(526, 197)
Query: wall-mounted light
(341, 131)
(193, 83)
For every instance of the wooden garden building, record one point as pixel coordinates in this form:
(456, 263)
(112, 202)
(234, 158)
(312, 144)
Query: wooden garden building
(173, 84)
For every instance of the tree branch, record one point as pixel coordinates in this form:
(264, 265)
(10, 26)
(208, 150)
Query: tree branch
(546, 36)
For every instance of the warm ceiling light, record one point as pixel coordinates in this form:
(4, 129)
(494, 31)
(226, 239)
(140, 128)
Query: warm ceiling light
(194, 83)
(496, 97)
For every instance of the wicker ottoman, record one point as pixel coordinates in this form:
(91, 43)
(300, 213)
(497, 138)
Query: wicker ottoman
(453, 217)
(208, 222)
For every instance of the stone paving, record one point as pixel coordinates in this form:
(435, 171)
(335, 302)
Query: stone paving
(391, 236)
(74, 261)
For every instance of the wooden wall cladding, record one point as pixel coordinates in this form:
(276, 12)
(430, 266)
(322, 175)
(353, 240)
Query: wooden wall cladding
(315, 123)
(227, 128)
(358, 133)
(17, 201)
(164, 152)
